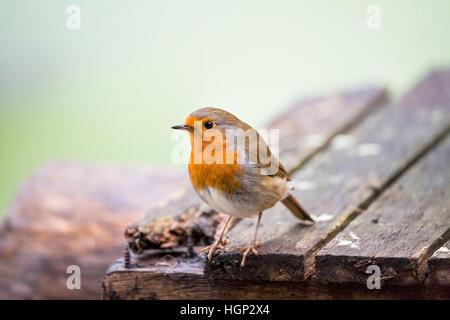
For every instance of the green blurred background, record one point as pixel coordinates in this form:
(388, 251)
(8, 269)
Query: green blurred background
(110, 91)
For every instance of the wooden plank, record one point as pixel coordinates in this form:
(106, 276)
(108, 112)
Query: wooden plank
(439, 266)
(304, 133)
(73, 214)
(435, 92)
(185, 280)
(399, 231)
(309, 125)
(336, 185)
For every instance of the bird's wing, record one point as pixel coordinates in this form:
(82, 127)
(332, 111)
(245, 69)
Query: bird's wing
(264, 160)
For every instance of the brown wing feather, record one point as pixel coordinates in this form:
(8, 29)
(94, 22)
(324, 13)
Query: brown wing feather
(254, 156)
(290, 202)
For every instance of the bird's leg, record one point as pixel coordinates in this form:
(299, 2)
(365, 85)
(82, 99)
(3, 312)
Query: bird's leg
(253, 245)
(219, 242)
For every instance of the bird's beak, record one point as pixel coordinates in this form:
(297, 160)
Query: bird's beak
(183, 127)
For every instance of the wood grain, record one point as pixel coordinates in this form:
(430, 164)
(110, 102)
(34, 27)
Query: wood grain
(310, 124)
(185, 280)
(338, 184)
(399, 231)
(73, 214)
(439, 266)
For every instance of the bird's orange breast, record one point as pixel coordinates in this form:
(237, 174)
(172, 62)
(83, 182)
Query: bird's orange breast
(220, 176)
(223, 177)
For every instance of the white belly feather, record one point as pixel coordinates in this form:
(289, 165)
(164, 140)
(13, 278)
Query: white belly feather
(251, 202)
(219, 202)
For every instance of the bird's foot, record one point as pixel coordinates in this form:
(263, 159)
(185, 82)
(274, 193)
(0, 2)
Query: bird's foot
(252, 247)
(217, 245)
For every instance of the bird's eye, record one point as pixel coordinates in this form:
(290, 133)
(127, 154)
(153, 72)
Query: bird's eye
(209, 124)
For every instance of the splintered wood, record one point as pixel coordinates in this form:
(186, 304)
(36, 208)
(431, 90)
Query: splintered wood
(197, 226)
(439, 266)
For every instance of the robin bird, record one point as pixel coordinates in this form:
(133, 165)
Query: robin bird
(234, 171)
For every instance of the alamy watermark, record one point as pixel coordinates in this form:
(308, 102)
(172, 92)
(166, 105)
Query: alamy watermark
(73, 21)
(374, 280)
(74, 280)
(373, 21)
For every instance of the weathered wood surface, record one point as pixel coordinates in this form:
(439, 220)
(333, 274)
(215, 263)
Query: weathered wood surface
(184, 279)
(309, 125)
(371, 149)
(439, 266)
(399, 231)
(71, 214)
(338, 184)
(304, 130)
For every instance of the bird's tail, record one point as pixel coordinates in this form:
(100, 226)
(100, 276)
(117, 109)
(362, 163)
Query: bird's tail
(297, 210)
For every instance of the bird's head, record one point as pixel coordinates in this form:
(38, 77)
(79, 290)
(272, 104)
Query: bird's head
(207, 120)
(214, 136)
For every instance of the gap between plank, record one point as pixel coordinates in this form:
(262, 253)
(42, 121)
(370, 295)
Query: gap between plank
(355, 212)
(381, 101)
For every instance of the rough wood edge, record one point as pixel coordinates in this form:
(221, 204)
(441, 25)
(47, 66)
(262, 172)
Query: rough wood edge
(439, 266)
(167, 284)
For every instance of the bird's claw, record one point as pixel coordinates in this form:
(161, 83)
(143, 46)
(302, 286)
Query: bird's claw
(252, 247)
(217, 245)
(223, 242)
